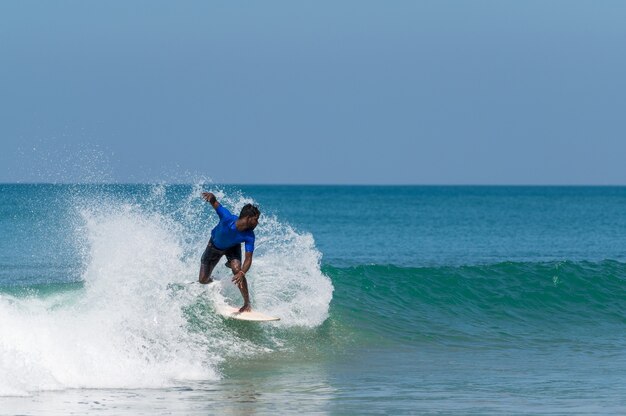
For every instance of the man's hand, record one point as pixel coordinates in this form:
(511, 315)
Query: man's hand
(209, 197)
(238, 278)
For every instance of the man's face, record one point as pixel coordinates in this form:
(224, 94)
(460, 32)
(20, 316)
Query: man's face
(252, 222)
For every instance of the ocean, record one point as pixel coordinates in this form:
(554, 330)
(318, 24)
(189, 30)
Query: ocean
(393, 300)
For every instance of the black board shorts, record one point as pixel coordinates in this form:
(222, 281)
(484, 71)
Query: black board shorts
(212, 255)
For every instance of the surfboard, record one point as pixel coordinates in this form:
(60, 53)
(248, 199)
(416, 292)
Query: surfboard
(230, 312)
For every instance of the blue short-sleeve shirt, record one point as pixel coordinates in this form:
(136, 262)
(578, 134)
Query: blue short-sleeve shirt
(226, 235)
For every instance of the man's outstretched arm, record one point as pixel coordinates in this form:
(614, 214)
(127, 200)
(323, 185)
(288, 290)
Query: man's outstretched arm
(210, 198)
(219, 209)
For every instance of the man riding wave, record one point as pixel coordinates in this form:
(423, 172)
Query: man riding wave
(226, 239)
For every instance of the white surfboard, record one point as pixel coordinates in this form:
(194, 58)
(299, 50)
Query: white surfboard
(230, 312)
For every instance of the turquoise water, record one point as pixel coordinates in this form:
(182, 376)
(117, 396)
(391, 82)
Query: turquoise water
(394, 300)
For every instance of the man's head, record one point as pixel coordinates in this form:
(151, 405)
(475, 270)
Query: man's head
(250, 215)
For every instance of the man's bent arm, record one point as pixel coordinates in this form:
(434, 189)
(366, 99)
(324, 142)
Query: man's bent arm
(240, 272)
(247, 262)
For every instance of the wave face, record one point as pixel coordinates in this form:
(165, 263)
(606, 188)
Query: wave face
(126, 316)
(580, 304)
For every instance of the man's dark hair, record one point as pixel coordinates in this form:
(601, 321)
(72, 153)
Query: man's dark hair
(249, 210)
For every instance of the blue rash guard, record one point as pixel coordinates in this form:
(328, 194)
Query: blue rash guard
(226, 235)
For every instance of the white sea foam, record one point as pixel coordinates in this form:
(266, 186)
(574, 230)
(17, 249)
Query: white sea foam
(129, 327)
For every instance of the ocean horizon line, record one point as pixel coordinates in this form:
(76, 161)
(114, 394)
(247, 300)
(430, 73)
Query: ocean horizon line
(321, 184)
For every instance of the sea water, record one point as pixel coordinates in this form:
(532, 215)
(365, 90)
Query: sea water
(393, 300)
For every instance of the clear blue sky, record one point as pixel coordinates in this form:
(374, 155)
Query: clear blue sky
(348, 92)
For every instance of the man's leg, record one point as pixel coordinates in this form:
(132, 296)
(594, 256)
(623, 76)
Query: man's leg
(233, 257)
(210, 258)
(205, 274)
(235, 265)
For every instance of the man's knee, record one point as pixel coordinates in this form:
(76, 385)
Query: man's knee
(205, 274)
(235, 265)
(205, 280)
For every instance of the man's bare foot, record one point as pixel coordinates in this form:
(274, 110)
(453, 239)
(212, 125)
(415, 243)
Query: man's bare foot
(245, 308)
(206, 282)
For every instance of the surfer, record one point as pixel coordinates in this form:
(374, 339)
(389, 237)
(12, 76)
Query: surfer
(226, 239)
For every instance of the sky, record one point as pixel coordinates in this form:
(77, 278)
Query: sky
(314, 92)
